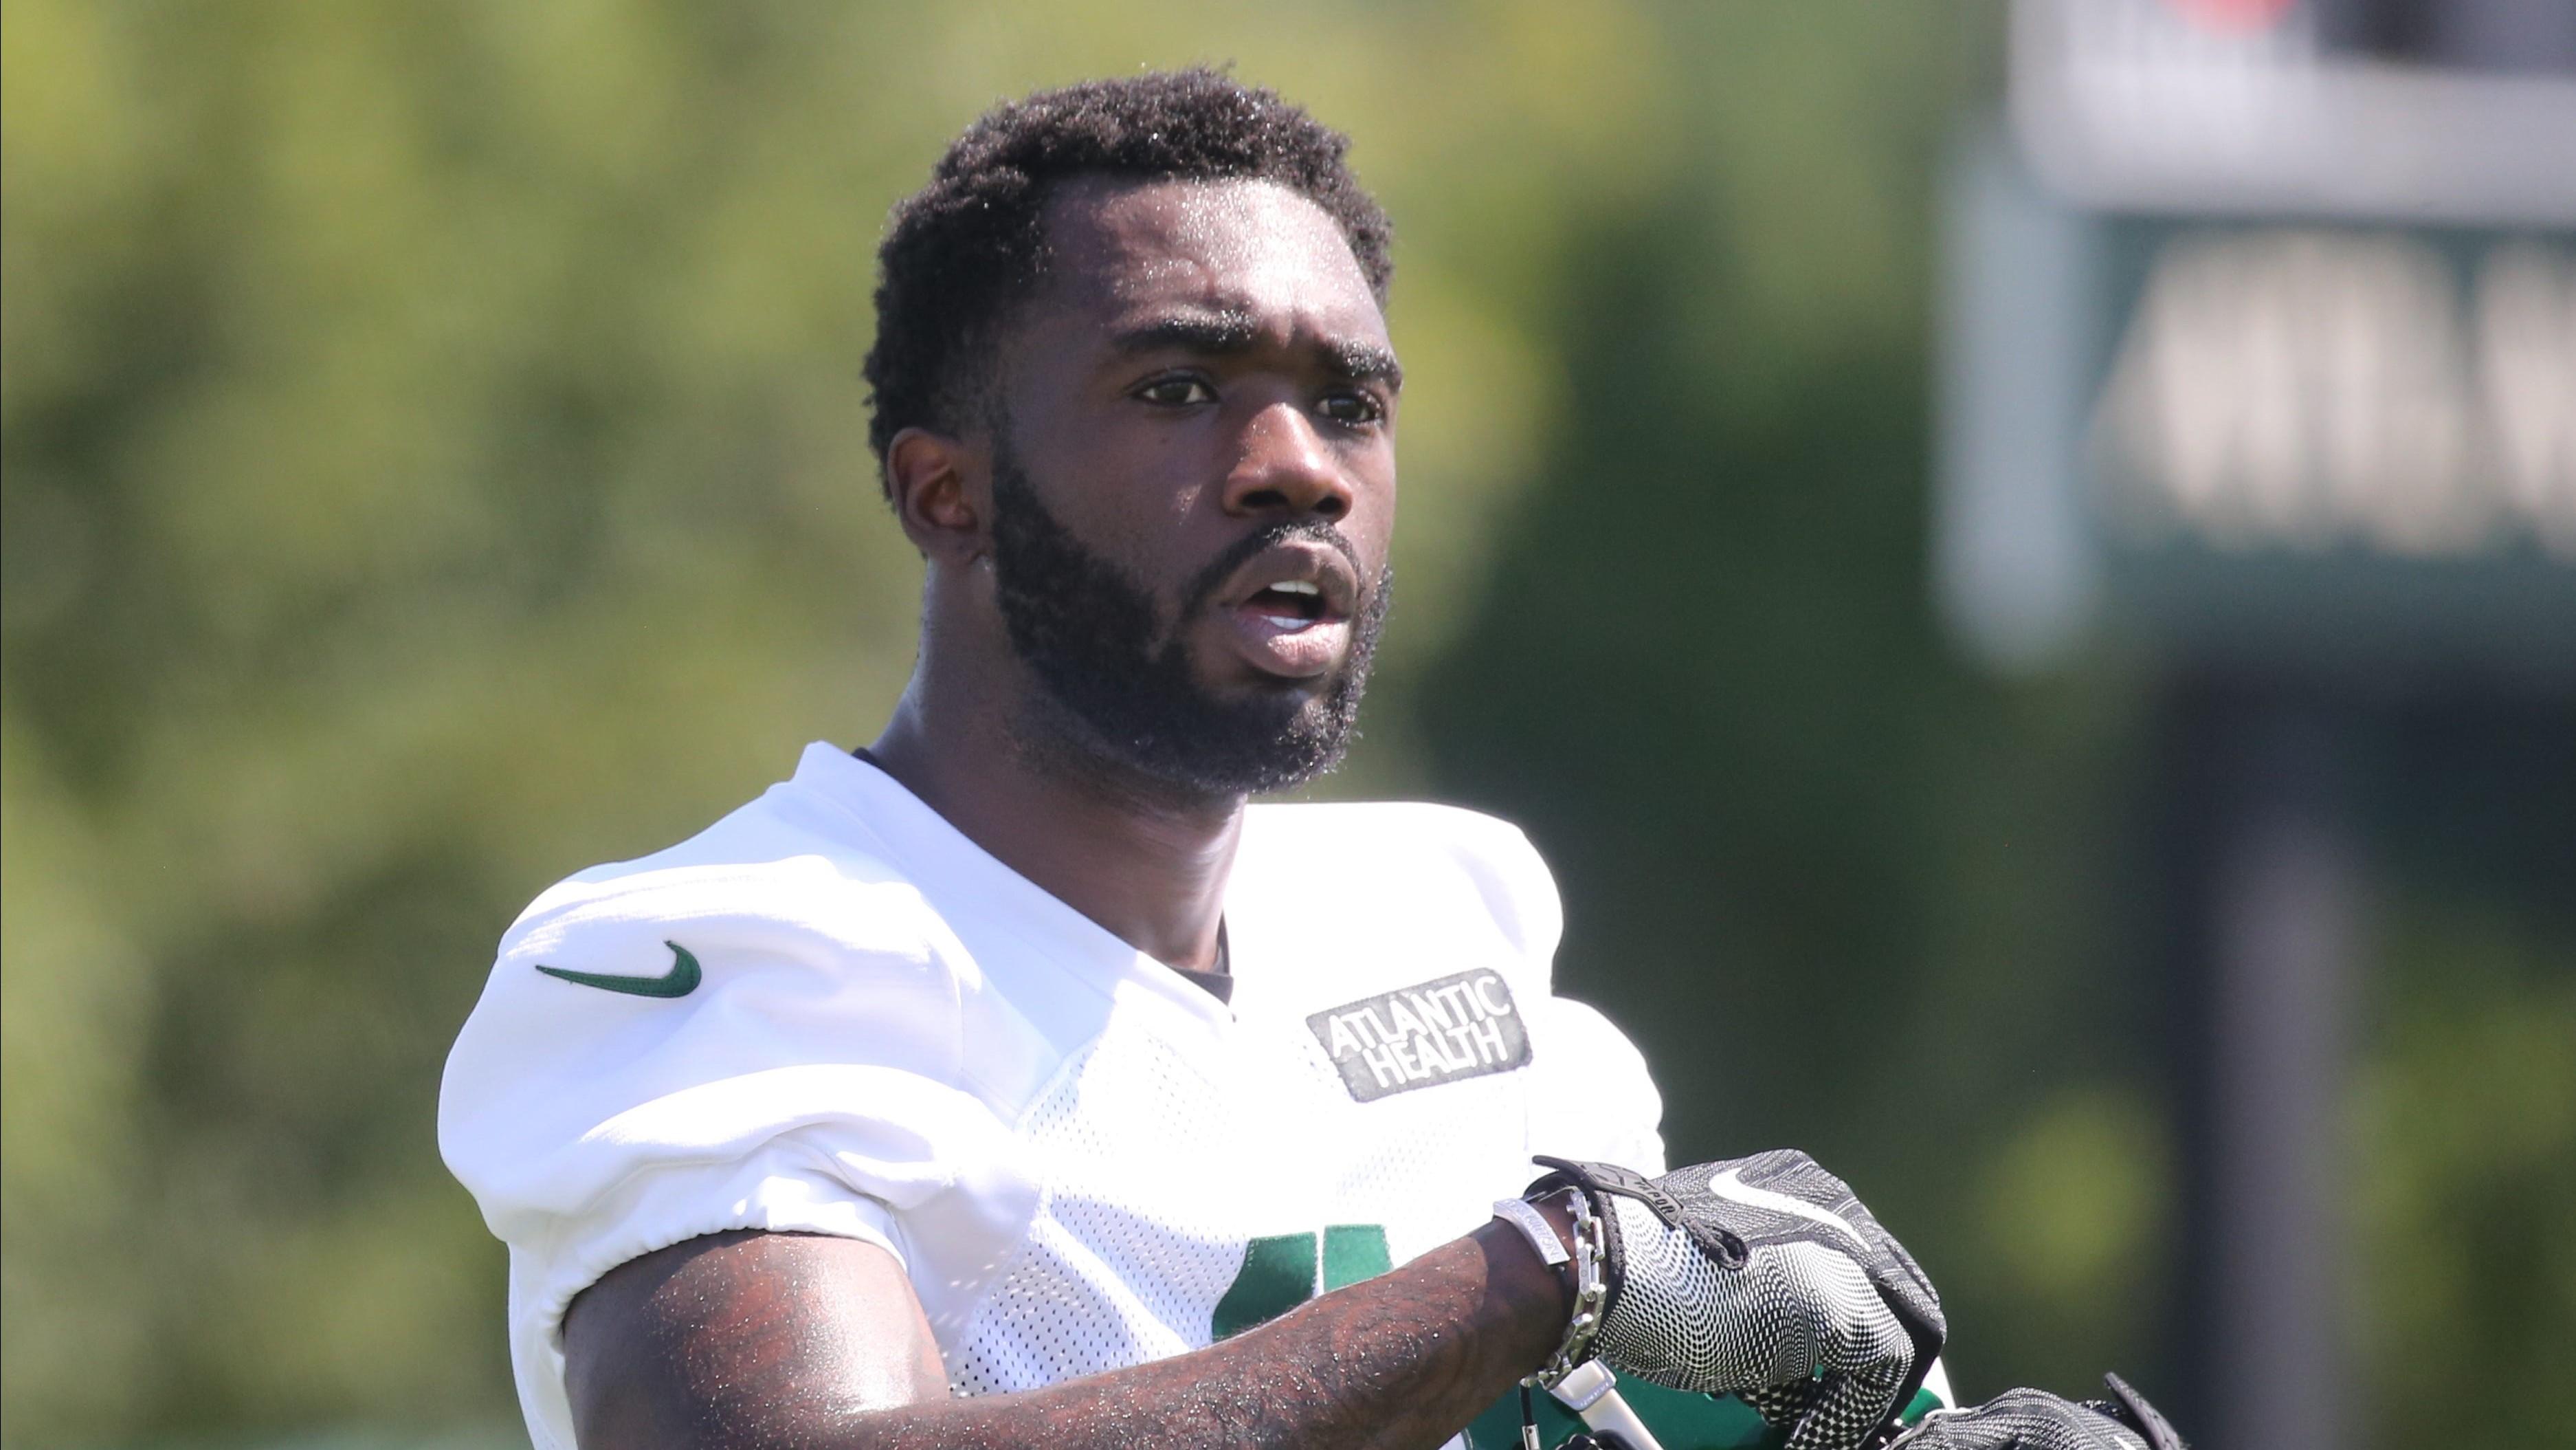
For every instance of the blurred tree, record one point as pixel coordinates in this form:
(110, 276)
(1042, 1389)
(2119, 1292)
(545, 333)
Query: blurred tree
(2464, 1107)
(2466, 1126)
(1845, 895)
(432, 460)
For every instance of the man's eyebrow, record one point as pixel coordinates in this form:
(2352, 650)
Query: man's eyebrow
(1366, 362)
(1231, 331)
(1212, 332)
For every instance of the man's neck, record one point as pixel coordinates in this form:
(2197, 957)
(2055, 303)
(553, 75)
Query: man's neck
(1148, 868)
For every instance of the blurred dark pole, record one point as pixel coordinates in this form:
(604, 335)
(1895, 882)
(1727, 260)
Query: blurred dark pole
(2264, 879)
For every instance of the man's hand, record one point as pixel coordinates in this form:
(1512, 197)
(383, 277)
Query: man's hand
(2036, 1420)
(1749, 1277)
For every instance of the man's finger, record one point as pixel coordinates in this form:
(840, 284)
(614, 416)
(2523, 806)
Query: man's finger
(1864, 1367)
(1848, 1408)
(2023, 1420)
(1784, 1404)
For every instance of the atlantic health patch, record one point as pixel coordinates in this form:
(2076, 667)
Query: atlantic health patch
(1422, 1036)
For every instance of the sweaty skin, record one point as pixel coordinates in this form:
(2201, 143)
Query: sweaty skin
(1184, 379)
(1205, 361)
(780, 1340)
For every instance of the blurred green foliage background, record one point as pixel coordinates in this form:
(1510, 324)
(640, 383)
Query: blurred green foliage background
(435, 461)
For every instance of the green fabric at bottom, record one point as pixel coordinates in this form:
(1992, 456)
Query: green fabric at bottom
(1682, 1421)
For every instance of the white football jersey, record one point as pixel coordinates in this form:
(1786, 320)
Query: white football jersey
(832, 1013)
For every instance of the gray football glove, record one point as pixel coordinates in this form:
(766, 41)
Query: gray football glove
(2033, 1420)
(1761, 1277)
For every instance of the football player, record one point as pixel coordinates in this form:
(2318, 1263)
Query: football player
(1011, 1081)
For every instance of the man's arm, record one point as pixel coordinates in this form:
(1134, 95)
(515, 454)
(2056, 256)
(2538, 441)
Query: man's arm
(780, 1340)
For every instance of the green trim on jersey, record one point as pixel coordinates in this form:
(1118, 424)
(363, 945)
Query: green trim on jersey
(1680, 1420)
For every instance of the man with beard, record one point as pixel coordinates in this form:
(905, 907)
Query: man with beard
(1011, 1081)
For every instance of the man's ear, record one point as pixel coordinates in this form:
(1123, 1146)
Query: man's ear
(940, 490)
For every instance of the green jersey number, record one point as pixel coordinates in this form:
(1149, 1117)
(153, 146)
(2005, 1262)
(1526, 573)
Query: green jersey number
(1283, 1271)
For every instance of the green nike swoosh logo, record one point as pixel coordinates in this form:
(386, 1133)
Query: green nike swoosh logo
(680, 981)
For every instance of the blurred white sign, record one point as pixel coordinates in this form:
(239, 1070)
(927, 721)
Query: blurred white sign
(2304, 389)
(2258, 334)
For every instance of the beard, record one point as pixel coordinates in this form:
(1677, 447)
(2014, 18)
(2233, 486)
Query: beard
(1116, 683)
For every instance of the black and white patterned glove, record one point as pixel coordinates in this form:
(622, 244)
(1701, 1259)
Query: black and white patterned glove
(2035, 1420)
(1761, 1277)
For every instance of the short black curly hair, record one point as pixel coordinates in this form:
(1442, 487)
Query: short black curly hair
(962, 250)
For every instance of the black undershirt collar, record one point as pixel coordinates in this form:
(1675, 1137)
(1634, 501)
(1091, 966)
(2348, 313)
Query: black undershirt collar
(1220, 981)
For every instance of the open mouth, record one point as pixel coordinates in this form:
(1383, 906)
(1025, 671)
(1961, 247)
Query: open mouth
(1291, 606)
(1288, 606)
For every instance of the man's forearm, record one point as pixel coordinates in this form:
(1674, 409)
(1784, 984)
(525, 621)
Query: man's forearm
(1401, 1361)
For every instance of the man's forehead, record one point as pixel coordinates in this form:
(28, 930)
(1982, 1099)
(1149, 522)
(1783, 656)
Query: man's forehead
(1132, 252)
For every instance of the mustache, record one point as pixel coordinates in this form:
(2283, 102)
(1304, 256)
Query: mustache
(1212, 578)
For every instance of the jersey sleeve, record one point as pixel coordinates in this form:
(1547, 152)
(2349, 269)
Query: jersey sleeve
(1518, 890)
(681, 1053)
(1592, 1098)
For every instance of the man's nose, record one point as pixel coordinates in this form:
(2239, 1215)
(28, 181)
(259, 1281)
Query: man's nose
(1285, 467)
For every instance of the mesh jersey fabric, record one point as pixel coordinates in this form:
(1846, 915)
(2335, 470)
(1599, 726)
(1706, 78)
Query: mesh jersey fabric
(1079, 1157)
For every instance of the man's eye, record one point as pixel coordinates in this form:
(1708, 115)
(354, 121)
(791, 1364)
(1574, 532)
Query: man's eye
(1177, 392)
(1354, 408)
